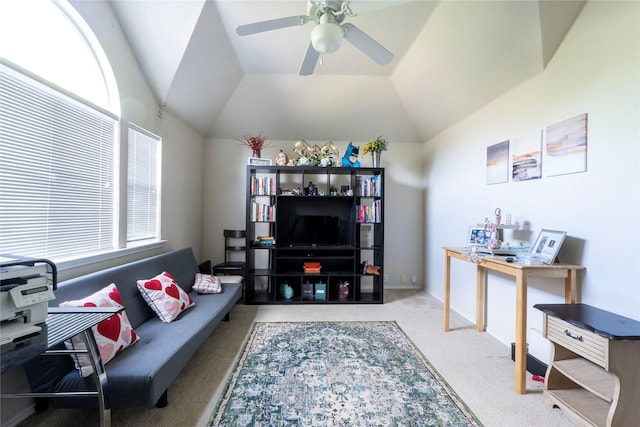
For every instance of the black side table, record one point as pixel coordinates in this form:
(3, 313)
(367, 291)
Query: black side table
(593, 375)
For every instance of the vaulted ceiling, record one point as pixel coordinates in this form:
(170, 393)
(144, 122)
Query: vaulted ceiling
(450, 58)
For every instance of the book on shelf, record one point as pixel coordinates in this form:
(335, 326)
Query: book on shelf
(312, 267)
(265, 241)
(263, 185)
(321, 291)
(261, 212)
(370, 213)
(369, 187)
(307, 291)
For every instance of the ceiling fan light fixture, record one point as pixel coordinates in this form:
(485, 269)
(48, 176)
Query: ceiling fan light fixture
(326, 36)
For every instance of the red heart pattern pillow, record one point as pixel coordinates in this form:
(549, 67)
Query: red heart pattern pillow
(165, 297)
(112, 335)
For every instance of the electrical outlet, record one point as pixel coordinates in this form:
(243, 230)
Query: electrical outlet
(403, 278)
(386, 278)
(414, 279)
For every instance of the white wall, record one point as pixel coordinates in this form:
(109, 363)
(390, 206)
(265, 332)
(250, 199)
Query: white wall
(182, 147)
(596, 70)
(225, 198)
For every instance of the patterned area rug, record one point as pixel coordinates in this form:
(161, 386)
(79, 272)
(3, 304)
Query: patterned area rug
(336, 374)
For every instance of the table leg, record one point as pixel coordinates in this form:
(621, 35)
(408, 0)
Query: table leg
(521, 333)
(447, 288)
(481, 287)
(100, 377)
(570, 287)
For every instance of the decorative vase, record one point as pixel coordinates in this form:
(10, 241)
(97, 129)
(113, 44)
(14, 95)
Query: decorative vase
(286, 291)
(256, 153)
(375, 158)
(342, 289)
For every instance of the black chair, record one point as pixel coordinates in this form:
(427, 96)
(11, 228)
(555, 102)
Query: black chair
(234, 254)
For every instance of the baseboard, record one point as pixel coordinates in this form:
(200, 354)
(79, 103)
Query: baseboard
(535, 366)
(399, 286)
(19, 417)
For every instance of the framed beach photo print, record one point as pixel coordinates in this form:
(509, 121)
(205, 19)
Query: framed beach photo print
(477, 237)
(498, 163)
(548, 245)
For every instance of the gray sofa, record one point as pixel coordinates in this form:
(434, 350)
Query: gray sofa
(142, 373)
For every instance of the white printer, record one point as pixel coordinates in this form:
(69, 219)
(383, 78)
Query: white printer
(26, 285)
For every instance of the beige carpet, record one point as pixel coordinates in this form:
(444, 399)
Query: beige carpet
(476, 365)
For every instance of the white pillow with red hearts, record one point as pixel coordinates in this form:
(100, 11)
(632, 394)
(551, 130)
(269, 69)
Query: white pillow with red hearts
(112, 335)
(165, 297)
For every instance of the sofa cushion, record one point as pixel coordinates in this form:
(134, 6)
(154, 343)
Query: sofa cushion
(228, 278)
(140, 375)
(112, 335)
(207, 284)
(181, 263)
(164, 296)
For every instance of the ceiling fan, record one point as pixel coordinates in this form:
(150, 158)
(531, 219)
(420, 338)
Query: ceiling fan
(328, 33)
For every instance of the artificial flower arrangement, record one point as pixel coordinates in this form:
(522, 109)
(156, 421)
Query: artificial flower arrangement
(314, 160)
(315, 156)
(375, 145)
(255, 142)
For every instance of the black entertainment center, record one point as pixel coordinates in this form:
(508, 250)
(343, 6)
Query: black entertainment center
(310, 246)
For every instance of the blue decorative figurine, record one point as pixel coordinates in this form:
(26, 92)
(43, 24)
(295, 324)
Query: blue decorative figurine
(350, 158)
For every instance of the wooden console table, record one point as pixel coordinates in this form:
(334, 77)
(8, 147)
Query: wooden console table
(521, 273)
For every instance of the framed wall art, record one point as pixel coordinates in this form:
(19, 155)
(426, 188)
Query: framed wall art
(527, 157)
(498, 163)
(566, 146)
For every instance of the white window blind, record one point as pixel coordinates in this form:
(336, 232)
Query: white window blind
(142, 185)
(57, 161)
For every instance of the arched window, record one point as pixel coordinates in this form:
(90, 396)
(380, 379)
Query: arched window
(50, 40)
(59, 135)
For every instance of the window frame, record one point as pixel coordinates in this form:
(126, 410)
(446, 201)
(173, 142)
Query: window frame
(157, 183)
(122, 248)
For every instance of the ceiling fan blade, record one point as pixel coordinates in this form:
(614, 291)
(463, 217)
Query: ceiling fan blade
(366, 44)
(273, 24)
(310, 61)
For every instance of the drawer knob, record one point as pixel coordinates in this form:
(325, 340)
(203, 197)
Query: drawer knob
(570, 335)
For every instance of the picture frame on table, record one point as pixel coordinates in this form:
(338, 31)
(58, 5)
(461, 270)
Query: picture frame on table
(344, 189)
(548, 245)
(259, 161)
(478, 236)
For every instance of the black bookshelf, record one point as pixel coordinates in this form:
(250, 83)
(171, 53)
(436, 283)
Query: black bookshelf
(332, 217)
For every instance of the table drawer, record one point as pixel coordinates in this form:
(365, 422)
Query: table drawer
(581, 341)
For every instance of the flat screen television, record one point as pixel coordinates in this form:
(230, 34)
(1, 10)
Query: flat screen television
(309, 230)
